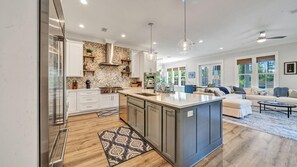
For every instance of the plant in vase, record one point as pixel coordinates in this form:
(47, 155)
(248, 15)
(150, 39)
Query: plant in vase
(89, 52)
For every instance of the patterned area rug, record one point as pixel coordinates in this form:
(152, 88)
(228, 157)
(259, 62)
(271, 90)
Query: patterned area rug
(270, 121)
(105, 113)
(121, 144)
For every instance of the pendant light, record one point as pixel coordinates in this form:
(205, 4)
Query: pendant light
(185, 44)
(151, 55)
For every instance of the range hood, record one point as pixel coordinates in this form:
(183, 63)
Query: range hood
(108, 56)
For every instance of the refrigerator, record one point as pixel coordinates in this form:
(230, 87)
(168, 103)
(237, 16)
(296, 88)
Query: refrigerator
(53, 131)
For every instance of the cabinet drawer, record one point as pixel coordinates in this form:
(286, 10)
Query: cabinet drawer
(90, 92)
(136, 102)
(88, 99)
(154, 106)
(88, 106)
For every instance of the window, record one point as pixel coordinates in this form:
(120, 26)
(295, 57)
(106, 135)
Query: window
(204, 75)
(182, 76)
(266, 70)
(245, 72)
(210, 75)
(176, 76)
(158, 76)
(169, 76)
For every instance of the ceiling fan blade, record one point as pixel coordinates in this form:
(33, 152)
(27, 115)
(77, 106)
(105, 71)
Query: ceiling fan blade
(278, 37)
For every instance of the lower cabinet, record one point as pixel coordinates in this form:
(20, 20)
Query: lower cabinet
(136, 118)
(71, 103)
(140, 120)
(131, 115)
(109, 100)
(154, 125)
(169, 133)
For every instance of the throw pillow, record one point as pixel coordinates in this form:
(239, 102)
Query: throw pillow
(224, 89)
(219, 93)
(293, 94)
(262, 92)
(238, 90)
(231, 89)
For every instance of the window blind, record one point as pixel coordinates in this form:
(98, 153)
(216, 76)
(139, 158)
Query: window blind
(244, 61)
(182, 68)
(266, 58)
(175, 69)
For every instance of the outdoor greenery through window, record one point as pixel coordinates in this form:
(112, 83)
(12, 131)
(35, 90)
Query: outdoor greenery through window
(210, 75)
(266, 69)
(182, 76)
(158, 76)
(245, 72)
(176, 76)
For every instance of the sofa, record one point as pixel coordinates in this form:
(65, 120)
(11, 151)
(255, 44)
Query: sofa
(257, 94)
(233, 104)
(254, 95)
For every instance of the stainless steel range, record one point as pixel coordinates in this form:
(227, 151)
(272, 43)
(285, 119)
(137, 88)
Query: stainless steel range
(109, 90)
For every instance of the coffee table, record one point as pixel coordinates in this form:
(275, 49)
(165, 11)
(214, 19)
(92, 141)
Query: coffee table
(277, 104)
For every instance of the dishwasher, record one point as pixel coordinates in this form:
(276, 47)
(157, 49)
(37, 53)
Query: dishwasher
(123, 107)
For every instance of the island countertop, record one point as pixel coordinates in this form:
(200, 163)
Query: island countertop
(177, 100)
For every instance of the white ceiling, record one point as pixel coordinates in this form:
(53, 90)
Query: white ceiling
(231, 24)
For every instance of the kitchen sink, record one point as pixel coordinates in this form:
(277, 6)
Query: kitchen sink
(147, 94)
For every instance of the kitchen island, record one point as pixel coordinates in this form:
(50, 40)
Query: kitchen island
(183, 128)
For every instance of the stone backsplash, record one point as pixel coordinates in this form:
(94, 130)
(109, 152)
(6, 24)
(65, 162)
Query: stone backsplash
(104, 75)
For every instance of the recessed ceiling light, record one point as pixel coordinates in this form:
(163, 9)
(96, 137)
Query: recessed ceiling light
(221, 48)
(200, 41)
(154, 43)
(123, 35)
(81, 26)
(84, 2)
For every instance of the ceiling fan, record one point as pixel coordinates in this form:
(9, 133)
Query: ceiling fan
(262, 37)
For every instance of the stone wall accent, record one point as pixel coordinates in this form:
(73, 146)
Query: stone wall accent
(104, 75)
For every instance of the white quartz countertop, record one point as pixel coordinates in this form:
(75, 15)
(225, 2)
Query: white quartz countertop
(176, 100)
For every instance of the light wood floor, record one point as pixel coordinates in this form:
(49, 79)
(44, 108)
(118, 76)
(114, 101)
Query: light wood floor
(243, 147)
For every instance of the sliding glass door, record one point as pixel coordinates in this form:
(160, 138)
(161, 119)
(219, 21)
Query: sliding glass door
(210, 75)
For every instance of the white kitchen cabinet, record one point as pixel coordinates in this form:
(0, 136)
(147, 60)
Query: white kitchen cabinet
(109, 101)
(135, 68)
(74, 58)
(146, 65)
(149, 65)
(88, 100)
(71, 102)
(141, 64)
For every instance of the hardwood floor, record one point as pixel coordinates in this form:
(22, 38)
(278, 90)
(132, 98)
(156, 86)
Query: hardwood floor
(242, 147)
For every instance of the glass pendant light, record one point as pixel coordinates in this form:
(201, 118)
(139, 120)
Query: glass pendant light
(185, 44)
(151, 56)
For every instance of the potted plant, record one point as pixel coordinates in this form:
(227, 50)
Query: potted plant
(89, 52)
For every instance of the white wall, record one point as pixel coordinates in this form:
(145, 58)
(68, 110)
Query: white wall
(19, 83)
(287, 52)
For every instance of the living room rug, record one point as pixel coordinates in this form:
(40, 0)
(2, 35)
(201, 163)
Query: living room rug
(271, 121)
(121, 144)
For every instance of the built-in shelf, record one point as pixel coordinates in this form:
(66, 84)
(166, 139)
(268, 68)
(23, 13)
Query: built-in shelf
(127, 61)
(125, 73)
(90, 57)
(90, 71)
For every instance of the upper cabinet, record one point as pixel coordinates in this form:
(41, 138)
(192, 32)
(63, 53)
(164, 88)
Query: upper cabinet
(135, 68)
(141, 64)
(74, 58)
(149, 65)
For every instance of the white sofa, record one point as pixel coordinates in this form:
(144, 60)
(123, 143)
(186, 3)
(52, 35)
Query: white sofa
(238, 108)
(254, 97)
(233, 105)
